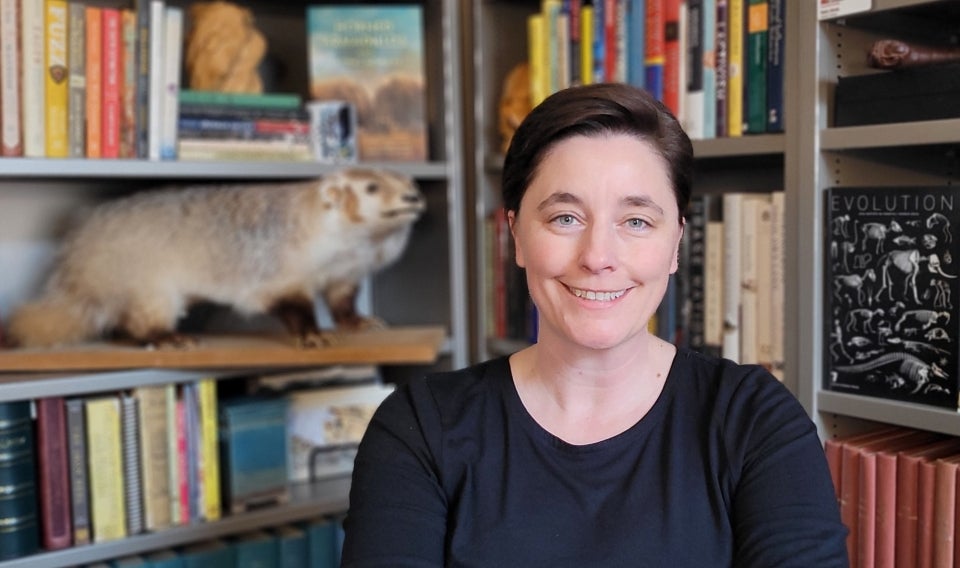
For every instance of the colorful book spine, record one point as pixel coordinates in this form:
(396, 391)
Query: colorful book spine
(105, 463)
(672, 56)
(154, 455)
(611, 49)
(722, 68)
(18, 493)
(709, 41)
(574, 11)
(77, 89)
(11, 124)
(586, 43)
(242, 100)
(173, 29)
(550, 9)
(537, 58)
(599, 42)
(56, 78)
(54, 467)
(173, 453)
(79, 491)
(693, 107)
(94, 81)
(735, 66)
(655, 49)
(209, 449)
(34, 79)
(112, 76)
(132, 479)
(128, 89)
(755, 58)
(636, 38)
(142, 55)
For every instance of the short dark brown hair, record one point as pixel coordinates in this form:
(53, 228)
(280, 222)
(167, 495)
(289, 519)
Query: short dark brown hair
(594, 110)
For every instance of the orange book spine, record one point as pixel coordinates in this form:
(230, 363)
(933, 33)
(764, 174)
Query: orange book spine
(112, 82)
(56, 83)
(944, 511)
(886, 513)
(926, 497)
(94, 40)
(672, 52)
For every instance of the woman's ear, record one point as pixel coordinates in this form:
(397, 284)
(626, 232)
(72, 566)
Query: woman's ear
(675, 264)
(511, 222)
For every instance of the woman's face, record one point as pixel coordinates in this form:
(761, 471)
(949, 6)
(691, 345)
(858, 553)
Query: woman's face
(598, 233)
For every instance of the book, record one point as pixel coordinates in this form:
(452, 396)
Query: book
(204, 127)
(79, 491)
(208, 554)
(673, 53)
(33, 64)
(372, 56)
(891, 324)
(732, 222)
(655, 47)
(94, 81)
(291, 547)
(112, 80)
(128, 88)
(132, 479)
(11, 125)
(324, 426)
(164, 559)
(778, 259)
(154, 454)
(944, 510)
(587, 27)
(56, 78)
(108, 513)
(141, 9)
(257, 549)
(709, 41)
(636, 41)
(209, 449)
(173, 42)
(322, 543)
(253, 450)
(713, 287)
(735, 66)
(694, 105)
(54, 469)
(156, 67)
(755, 66)
(612, 52)
(239, 101)
(537, 58)
(203, 149)
(19, 512)
(905, 545)
(721, 68)
(776, 38)
(77, 82)
(599, 47)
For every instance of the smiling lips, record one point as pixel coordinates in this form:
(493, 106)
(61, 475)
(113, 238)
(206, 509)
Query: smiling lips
(595, 295)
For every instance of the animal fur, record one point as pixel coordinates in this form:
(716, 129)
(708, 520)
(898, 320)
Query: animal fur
(138, 263)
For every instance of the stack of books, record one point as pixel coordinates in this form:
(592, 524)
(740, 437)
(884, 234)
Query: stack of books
(243, 126)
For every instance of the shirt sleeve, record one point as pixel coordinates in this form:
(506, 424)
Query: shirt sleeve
(785, 512)
(398, 511)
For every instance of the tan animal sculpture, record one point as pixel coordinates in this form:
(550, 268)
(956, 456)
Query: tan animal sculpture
(223, 49)
(137, 263)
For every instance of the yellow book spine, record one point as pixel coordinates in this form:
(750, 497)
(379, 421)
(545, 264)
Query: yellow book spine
(56, 82)
(586, 44)
(173, 454)
(107, 500)
(735, 29)
(537, 56)
(154, 455)
(209, 449)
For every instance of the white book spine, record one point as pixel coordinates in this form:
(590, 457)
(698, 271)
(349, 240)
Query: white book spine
(731, 275)
(173, 28)
(34, 107)
(157, 68)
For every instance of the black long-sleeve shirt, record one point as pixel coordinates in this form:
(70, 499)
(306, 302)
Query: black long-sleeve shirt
(725, 469)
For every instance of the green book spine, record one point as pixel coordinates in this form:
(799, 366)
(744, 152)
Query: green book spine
(755, 99)
(19, 525)
(262, 100)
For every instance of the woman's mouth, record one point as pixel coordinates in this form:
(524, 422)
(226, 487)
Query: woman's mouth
(596, 295)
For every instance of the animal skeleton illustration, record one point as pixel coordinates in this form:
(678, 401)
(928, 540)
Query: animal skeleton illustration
(917, 371)
(856, 282)
(908, 263)
(878, 232)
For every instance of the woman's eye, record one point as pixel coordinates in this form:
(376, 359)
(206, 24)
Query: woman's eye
(636, 223)
(564, 220)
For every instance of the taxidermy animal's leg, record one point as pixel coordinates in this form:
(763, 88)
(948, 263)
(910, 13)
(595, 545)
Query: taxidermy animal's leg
(341, 300)
(296, 313)
(150, 319)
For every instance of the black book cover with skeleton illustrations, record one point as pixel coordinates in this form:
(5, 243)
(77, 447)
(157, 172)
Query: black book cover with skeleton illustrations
(891, 262)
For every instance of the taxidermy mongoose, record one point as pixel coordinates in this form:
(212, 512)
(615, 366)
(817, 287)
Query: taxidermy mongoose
(135, 266)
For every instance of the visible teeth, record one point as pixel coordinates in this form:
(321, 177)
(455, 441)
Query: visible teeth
(597, 296)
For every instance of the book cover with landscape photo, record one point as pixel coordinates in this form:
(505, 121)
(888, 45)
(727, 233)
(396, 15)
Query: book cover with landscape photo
(891, 266)
(372, 56)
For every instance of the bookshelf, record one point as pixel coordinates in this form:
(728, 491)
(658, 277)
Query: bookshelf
(423, 297)
(905, 153)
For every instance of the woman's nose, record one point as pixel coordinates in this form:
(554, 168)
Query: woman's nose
(598, 249)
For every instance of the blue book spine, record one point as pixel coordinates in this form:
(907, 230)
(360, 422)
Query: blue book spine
(775, 42)
(322, 543)
(709, 38)
(292, 547)
(599, 43)
(636, 42)
(258, 550)
(18, 492)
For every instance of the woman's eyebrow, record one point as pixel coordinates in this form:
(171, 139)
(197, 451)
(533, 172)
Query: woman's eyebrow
(559, 197)
(642, 201)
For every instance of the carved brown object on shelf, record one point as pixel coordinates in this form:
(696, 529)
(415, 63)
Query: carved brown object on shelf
(515, 102)
(896, 54)
(223, 49)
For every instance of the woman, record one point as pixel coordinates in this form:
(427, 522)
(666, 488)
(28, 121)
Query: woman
(600, 445)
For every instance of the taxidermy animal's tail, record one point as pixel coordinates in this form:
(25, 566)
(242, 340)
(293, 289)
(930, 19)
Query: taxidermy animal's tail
(53, 320)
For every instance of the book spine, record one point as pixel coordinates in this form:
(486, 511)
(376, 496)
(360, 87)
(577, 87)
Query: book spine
(944, 510)
(94, 67)
(173, 453)
(709, 40)
(154, 455)
(105, 462)
(77, 90)
(722, 68)
(586, 43)
(173, 29)
(226, 112)
(755, 57)
(574, 11)
(112, 81)
(732, 219)
(11, 124)
(537, 58)
(210, 452)
(599, 42)
(672, 53)
(694, 94)
(79, 494)
(192, 435)
(735, 66)
(142, 54)
(713, 288)
(867, 509)
(128, 90)
(54, 480)
(636, 38)
(34, 79)
(157, 68)
(274, 101)
(886, 513)
(655, 48)
(696, 261)
(132, 479)
(18, 492)
(778, 261)
(611, 48)
(926, 513)
(56, 81)
(775, 46)
(183, 459)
